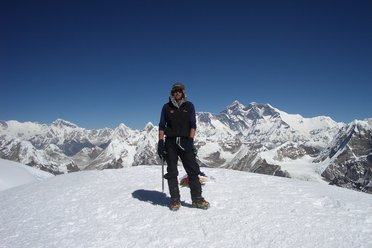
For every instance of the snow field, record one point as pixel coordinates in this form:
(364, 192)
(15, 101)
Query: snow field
(126, 208)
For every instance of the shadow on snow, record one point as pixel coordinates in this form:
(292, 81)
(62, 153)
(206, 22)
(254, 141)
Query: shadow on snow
(155, 197)
(151, 196)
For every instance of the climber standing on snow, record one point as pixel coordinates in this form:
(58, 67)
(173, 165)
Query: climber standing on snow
(178, 125)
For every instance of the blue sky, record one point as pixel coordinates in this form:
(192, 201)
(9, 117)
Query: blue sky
(101, 63)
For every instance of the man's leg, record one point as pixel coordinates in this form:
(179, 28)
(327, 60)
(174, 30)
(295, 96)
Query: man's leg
(172, 171)
(193, 170)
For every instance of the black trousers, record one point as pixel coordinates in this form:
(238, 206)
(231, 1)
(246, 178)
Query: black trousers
(175, 151)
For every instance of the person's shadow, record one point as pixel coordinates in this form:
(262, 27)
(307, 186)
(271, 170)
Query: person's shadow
(154, 197)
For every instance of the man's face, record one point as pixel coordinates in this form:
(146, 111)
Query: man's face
(177, 94)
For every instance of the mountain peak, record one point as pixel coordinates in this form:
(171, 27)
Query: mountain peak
(259, 105)
(253, 110)
(122, 130)
(149, 126)
(122, 125)
(235, 108)
(63, 123)
(265, 109)
(235, 104)
(257, 110)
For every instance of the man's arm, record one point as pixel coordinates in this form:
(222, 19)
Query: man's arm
(162, 124)
(192, 121)
(161, 134)
(192, 132)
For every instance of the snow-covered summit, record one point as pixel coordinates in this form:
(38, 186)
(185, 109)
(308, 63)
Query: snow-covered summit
(149, 126)
(252, 111)
(234, 108)
(63, 123)
(115, 208)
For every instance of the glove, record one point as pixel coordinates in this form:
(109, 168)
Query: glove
(161, 149)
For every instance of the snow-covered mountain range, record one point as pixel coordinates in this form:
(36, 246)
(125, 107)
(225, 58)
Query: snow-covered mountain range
(256, 138)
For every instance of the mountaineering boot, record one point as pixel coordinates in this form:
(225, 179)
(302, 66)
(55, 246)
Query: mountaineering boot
(175, 204)
(200, 203)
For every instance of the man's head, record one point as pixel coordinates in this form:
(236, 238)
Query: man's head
(178, 91)
(178, 86)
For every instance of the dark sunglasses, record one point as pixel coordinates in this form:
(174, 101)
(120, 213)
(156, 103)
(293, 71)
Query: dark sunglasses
(178, 91)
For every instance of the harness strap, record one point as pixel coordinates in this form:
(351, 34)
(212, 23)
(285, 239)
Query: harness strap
(178, 142)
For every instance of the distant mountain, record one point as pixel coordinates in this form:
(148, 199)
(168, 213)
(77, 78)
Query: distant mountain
(63, 147)
(349, 156)
(242, 136)
(257, 138)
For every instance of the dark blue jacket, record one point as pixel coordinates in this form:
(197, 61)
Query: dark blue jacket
(177, 121)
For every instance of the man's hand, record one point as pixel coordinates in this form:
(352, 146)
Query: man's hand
(161, 149)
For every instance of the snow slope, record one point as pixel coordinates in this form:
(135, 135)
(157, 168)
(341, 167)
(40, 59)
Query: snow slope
(126, 208)
(13, 174)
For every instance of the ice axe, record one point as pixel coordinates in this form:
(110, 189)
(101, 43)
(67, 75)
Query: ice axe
(162, 175)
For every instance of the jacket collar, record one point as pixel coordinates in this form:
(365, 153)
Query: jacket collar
(174, 102)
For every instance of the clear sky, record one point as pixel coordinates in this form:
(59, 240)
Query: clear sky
(101, 63)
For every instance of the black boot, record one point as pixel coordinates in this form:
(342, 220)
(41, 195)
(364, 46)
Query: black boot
(175, 204)
(200, 203)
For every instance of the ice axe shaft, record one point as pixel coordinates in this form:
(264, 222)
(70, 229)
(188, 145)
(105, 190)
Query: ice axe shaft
(162, 176)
